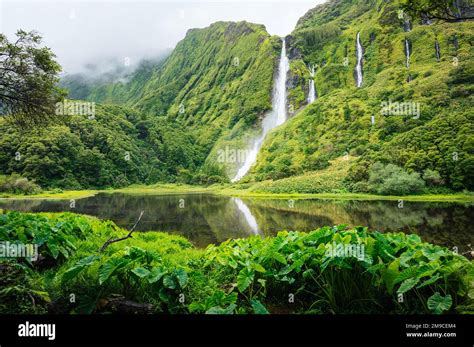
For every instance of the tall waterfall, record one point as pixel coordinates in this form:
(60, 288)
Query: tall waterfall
(312, 90)
(407, 52)
(274, 118)
(360, 53)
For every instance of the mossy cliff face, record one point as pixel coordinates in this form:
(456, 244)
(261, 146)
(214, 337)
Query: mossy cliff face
(169, 120)
(217, 83)
(428, 123)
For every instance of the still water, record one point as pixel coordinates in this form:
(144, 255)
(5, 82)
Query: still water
(207, 218)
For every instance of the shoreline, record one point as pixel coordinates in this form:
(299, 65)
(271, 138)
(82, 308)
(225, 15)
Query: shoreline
(170, 189)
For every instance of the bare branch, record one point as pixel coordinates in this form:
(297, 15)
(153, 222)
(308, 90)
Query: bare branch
(110, 241)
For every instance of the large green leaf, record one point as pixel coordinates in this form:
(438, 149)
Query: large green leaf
(438, 303)
(182, 277)
(390, 274)
(258, 267)
(244, 278)
(53, 247)
(109, 268)
(80, 265)
(407, 285)
(169, 282)
(430, 281)
(156, 274)
(258, 307)
(141, 272)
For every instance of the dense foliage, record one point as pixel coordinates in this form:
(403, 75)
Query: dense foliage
(447, 10)
(217, 83)
(292, 272)
(435, 134)
(28, 79)
(115, 148)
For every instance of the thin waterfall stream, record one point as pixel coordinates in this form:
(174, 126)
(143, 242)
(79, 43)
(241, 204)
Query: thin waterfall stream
(312, 90)
(360, 53)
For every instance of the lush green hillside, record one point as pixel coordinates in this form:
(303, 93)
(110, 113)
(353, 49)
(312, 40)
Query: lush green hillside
(115, 86)
(339, 121)
(217, 82)
(210, 92)
(117, 147)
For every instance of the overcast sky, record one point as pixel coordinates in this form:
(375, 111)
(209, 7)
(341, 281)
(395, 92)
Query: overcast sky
(81, 32)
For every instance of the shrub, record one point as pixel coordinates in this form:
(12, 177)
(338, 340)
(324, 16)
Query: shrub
(18, 185)
(393, 180)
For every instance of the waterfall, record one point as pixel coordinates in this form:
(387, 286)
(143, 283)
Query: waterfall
(274, 118)
(407, 25)
(251, 221)
(360, 53)
(407, 52)
(312, 90)
(438, 53)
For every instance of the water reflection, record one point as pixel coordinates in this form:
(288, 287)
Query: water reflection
(207, 218)
(251, 221)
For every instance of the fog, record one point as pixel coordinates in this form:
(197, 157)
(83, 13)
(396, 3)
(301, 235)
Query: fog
(101, 32)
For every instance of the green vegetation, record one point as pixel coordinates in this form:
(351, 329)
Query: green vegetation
(163, 273)
(115, 148)
(447, 10)
(15, 184)
(28, 80)
(216, 83)
(339, 121)
(328, 180)
(392, 180)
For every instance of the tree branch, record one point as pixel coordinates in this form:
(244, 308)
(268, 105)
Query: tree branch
(110, 241)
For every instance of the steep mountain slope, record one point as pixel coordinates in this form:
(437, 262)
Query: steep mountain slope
(217, 82)
(435, 80)
(117, 84)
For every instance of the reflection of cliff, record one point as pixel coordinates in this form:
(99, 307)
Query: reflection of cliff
(202, 218)
(271, 220)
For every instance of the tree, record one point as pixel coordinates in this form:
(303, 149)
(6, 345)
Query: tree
(445, 10)
(432, 177)
(28, 79)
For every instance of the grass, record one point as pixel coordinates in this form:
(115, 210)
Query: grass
(67, 194)
(238, 190)
(460, 197)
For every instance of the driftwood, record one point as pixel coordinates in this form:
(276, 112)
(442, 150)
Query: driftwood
(129, 235)
(118, 304)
